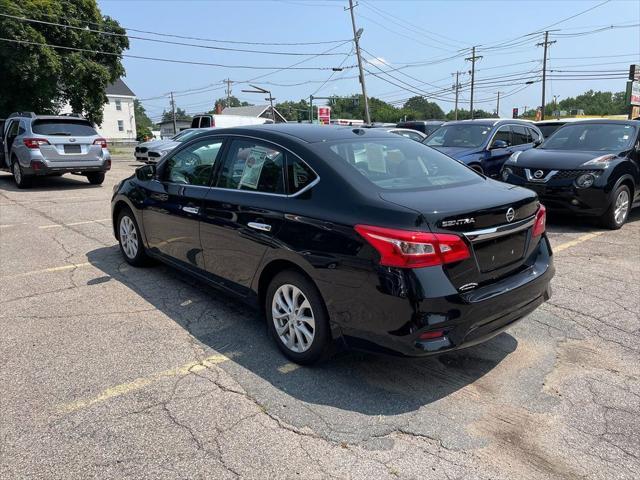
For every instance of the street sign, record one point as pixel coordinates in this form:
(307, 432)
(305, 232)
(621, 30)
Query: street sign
(635, 93)
(324, 115)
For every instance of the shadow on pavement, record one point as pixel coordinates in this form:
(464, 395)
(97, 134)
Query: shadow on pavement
(46, 184)
(354, 381)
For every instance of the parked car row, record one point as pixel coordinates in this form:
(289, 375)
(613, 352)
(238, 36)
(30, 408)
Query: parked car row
(44, 145)
(585, 167)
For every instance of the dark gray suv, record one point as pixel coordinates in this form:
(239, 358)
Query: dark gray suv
(43, 145)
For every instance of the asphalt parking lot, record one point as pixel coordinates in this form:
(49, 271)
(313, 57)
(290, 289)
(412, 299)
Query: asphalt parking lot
(108, 371)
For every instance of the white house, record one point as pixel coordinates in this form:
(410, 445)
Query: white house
(119, 122)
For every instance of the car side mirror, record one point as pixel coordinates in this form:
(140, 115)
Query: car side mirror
(146, 172)
(537, 142)
(499, 144)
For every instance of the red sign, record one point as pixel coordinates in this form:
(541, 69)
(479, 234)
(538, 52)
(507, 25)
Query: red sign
(324, 115)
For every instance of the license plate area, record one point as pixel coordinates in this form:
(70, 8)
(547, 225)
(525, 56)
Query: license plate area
(72, 149)
(500, 252)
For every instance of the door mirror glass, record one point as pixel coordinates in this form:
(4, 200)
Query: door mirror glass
(146, 172)
(537, 142)
(499, 144)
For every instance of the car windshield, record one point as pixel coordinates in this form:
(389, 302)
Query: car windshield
(460, 135)
(398, 164)
(548, 128)
(185, 135)
(67, 128)
(592, 137)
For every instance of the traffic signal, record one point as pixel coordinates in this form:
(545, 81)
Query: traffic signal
(515, 113)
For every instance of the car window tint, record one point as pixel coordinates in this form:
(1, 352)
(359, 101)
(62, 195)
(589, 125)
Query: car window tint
(519, 135)
(253, 166)
(503, 133)
(299, 175)
(193, 165)
(535, 136)
(68, 128)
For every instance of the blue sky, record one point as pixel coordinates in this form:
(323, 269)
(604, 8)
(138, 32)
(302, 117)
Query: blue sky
(433, 38)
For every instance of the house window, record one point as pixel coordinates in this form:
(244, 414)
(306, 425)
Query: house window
(120, 125)
(118, 105)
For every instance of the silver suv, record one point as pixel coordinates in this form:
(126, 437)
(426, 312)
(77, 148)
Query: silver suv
(42, 145)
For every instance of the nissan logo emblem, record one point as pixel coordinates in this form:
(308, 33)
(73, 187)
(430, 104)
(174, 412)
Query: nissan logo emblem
(511, 214)
(72, 139)
(538, 174)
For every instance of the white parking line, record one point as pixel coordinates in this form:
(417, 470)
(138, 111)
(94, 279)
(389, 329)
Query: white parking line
(49, 270)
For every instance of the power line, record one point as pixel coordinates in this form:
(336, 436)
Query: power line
(169, 60)
(169, 42)
(201, 39)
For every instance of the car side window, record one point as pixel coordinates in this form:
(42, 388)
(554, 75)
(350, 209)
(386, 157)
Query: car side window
(253, 166)
(193, 165)
(535, 136)
(503, 133)
(299, 175)
(520, 135)
(205, 122)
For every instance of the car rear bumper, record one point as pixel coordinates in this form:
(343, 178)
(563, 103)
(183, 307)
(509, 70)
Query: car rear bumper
(395, 320)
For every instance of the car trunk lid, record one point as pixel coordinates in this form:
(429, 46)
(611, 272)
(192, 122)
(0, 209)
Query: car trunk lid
(495, 219)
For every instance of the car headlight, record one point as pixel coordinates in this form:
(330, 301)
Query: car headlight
(602, 161)
(585, 180)
(514, 156)
(506, 171)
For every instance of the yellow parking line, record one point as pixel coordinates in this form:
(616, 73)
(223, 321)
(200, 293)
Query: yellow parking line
(60, 225)
(48, 270)
(577, 241)
(288, 368)
(142, 382)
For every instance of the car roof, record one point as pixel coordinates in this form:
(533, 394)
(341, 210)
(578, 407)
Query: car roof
(592, 121)
(421, 122)
(58, 117)
(492, 121)
(303, 132)
(561, 120)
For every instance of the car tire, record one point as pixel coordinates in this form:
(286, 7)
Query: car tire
(297, 318)
(96, 178)
(130, 240)
(618, 212)
(22, 180)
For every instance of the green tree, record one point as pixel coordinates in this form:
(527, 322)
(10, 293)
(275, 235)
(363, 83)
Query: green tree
(466, 114)
(593, 103)
(181, 114)
(43, 78)
(233, 102)
(294, 111)
(419, 108)
(144, 125)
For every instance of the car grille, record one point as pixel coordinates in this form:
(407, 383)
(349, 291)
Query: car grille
(154, 154)
(572, 173)
(518, 171)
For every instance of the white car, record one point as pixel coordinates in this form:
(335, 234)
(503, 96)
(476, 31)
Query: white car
(152, 151)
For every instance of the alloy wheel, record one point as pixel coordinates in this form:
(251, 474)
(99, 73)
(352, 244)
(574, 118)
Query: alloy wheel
(128, 237)
(293, 318)
(621, 207)
(17, 173)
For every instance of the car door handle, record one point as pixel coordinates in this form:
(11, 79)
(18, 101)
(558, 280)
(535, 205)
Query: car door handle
(259, 226)
(193, 210)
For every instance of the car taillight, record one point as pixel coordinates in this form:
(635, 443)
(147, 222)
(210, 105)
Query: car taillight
(35, 142)
(541, 221)
(100, 141)
(409, 249)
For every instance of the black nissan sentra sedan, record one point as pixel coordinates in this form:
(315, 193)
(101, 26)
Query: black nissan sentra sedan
(343, 236)
(591, 167)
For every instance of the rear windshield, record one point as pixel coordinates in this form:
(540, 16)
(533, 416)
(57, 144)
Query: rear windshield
(461, 135)
(592, 137)
(67, 128)
(399, 164)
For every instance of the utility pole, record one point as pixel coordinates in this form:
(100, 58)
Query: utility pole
(270, 98)
(356, 39)
(457, 89)
(545, 44)
(498, 106)
(173, 114)
(310, 108)
(473, 59)
(228, 92)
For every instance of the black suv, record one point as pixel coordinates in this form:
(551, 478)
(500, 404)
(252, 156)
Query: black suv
(590, 167)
